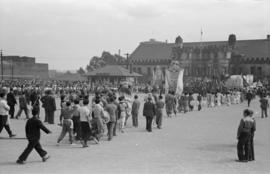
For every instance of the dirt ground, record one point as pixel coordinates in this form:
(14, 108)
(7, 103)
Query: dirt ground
(196, 142)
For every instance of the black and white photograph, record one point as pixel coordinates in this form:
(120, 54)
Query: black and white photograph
(134, 86)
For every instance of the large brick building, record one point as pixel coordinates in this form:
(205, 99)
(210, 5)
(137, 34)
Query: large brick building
(204, 59)
(16, 67)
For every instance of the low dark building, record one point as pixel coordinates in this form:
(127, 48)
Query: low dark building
(16, 67)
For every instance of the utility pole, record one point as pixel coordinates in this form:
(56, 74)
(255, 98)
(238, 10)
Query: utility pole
(12, 69)
(129, 65)
(2, 70)
(127, 60)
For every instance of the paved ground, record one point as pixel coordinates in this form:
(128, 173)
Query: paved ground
(196, 142)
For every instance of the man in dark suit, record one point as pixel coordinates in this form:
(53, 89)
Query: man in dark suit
(32, 130)
(11, 101)
(149, 111)
(48, 103)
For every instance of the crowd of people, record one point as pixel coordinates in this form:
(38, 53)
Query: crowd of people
(88, 116)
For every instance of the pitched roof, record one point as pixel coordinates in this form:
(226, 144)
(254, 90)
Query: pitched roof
(163, 51)
(152, 51)
(113, 70)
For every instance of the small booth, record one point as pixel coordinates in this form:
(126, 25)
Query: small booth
(113, 74)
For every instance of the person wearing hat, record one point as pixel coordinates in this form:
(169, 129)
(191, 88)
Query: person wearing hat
(149, 112)
(244, 135)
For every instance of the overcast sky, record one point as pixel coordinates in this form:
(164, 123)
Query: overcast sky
(67, 33)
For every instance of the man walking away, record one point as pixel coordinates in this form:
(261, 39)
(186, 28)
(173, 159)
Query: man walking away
(159, 106)
(135, 111)
(264, 106)
(149, 111)
(249, 97)
(111, 109)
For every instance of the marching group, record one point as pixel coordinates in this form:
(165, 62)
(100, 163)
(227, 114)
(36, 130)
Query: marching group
(86, 120)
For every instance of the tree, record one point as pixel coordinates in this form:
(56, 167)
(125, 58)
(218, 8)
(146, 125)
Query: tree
(106, 59)
(81, 71)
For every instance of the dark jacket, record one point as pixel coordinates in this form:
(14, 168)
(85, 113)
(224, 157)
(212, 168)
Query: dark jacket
(34, 98)
(248, 96)
(11, 100)
(135, 107)
(48, 103)
(32, 129)
(22, 101)
(247, 125)
(264, 103)
(149, 109)
(111, 109)
(118, 110)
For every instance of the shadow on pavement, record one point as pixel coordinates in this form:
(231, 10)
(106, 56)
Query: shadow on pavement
(13, 138)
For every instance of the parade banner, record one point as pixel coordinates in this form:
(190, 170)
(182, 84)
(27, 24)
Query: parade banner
(180, 84)
(249, 79)
(174, 81)
(157, 77)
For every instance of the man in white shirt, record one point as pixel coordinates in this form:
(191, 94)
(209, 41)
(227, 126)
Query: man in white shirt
(85, 119)
(4, 108)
